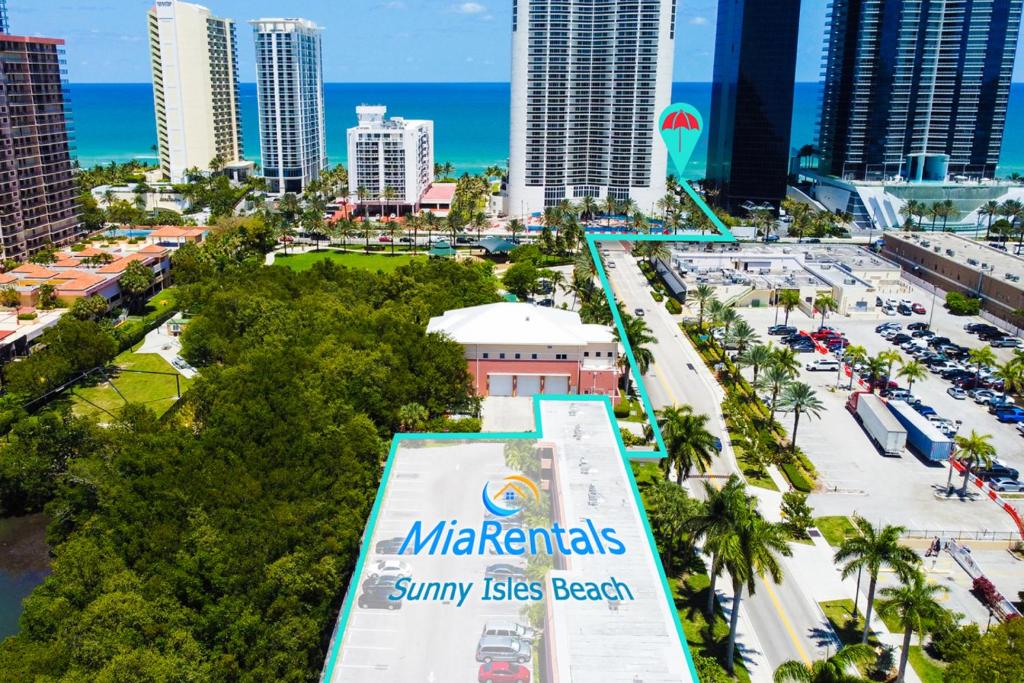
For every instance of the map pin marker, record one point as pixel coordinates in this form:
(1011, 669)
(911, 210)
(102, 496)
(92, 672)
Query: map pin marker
(681, 127)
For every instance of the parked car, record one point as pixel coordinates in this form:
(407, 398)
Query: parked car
(376, 597)
(638, 312)
(503, 649)
(917, 326)
(925, 410)
(974, 328)
(508, 628)
(1006, 343)
(888, 310)
(505, 672)
(997, 471)
(919, 309)
(957, 393)
(1006, 485)
(888, 326)
(823, 364)
(998, 403)
(781, 330)
(503, 570)
(389, 568)
(903, 309)
(900, 339)
(1010, 415)
(936, 342)
(389, 546)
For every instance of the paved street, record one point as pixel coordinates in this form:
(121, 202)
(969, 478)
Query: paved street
(787, 623)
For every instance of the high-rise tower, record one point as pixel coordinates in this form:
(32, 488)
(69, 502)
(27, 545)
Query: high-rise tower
(917, 89)
(590, 79)
(195, 87)
(291, 101)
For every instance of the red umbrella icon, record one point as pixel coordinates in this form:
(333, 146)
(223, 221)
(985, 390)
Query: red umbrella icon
(680, 121)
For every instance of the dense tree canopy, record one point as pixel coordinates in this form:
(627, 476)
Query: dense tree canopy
(215, 544)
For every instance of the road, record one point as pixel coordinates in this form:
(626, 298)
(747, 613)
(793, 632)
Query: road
(787, 623)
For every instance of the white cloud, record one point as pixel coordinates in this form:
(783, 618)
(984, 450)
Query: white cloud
(471, 8)
(699, 21)
(396, 4)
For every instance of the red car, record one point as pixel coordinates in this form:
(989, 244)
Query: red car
(918, 308)
(503, 672)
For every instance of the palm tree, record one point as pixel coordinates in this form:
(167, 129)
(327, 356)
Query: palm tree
(788, 299)
(946, 209)
(786, 358)
(515, 226)
(687, 440)
(825, 303)
(670, 508)
(1012, 375)
(611, 205)
(728, 317)
(982, 357)
(835, 669)
(757, 357)
(853, 355)
(891, 358)
(871, 549)
(913, 604)
(588, 208)
(801, 399)
(989, 209)
(975, 450)
(764, 221)
(918, 209)
(721, 514)
(875, 370)
(743, 335)
(912, 371)
(703, 295)
(638, 334)
(755, 553)
(775, 379)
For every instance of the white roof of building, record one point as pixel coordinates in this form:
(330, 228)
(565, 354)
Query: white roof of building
(517, 323)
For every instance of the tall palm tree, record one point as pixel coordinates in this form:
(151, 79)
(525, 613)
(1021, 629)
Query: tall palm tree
(802, 399)
(871, 549)
(757, 357)
(825, 303)
(875, 370)
(835, 669)
(1013, 209)
(975, 450)
(703, 295)
(775, 379)
(788, 299)
(912, 371)
(914, 605)
(786, 358)
(743, 335)
(916, 208)
(980, 358)
(638, 334)
(515, 226)
(891, 358)
(755, 554)
(588, 208)
(670, 508)
(1012, 375)
(989, 209)
(853, 355)
(687, 440)
(727, 318)
(611, 205)
(721, 514)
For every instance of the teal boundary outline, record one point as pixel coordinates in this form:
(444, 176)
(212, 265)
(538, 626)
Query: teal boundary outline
(724, 236)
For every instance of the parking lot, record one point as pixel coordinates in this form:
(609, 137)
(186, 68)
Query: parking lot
(855, 475)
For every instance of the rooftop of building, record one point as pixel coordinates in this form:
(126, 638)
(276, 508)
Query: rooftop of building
(970, 253)
(439, 193)
(519, 324)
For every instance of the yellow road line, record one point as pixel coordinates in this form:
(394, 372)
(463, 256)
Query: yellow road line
(786, 623)
(661, 378)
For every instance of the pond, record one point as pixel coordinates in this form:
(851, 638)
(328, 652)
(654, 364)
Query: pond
(24, 563)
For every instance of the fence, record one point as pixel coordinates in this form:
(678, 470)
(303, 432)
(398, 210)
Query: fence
(963, 535)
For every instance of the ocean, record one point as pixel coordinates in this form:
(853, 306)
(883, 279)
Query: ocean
(115, 122)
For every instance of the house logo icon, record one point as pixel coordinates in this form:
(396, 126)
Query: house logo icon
(512, 497)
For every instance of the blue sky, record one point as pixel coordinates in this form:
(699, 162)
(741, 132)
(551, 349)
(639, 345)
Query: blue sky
(368, 40)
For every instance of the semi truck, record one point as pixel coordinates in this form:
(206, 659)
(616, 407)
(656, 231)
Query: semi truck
(880, 424)
(922, 436)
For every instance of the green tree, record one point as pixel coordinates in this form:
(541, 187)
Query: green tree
(913, 371)
(669, 509)
(521, 279)
(788, 299)
(995, 658)
(46, 296)
(703, 295)
(870, 550)
(639, 336)
(89, 308)
(687, 440)
(9, 297)
(836, 669)
(980, 358)
(775, 379)
(825, 304)
(756, 358)
(974, 450)
(135, 282)
(802, 399)
(914, 606)
(743, 335)
(796, 513)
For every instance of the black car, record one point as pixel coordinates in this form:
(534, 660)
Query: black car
(922, 334)
(900, 339)
(377, 598)
(997, 472)
(781, 330)
(389, 546)
(979, 328)
(382, 581)
(917, 326)
(955, 374)
(992, 336)
(903, 309)
(936, 342)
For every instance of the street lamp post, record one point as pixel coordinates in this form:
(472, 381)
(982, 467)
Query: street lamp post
(949, 481)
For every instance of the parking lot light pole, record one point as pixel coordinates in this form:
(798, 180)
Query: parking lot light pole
(952, 455)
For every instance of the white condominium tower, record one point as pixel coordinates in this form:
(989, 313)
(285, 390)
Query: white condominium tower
(390, 153)
(590, 79)
(195, 87)
(290, 85)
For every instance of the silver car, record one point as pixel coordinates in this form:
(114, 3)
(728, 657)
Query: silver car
(1006, 485)
(503, 649)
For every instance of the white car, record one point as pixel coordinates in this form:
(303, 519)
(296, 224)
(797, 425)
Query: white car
(957, 393)
(889, 310)
(394, 568)
(1020, 428)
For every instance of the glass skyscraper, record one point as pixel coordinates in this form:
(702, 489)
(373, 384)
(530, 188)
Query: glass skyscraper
(4, 26)
(589, 80)
(916, 89)
(290, 89)
(752, 100)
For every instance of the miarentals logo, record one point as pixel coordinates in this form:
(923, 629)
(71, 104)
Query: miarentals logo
(513, 496)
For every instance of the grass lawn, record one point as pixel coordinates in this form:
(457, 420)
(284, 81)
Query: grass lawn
(161, 302)
(691, 596)
(835, 529)
(371, 262)
(752, 472)
(927, 669)
(840, 614)
(159, 392)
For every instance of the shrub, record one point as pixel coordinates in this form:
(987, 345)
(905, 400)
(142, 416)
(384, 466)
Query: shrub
(77, 247)
(631, 439)
(958, 304)
(622, 409)
(796, 477)
(27, 316)
(457, 425)
(673, 306)
(657, 296)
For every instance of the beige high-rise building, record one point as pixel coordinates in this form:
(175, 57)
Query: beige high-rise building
(195, 87)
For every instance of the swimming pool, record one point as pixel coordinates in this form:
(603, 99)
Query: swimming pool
(128, 233)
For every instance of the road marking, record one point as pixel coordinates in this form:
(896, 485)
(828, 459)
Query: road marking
(786, 623)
